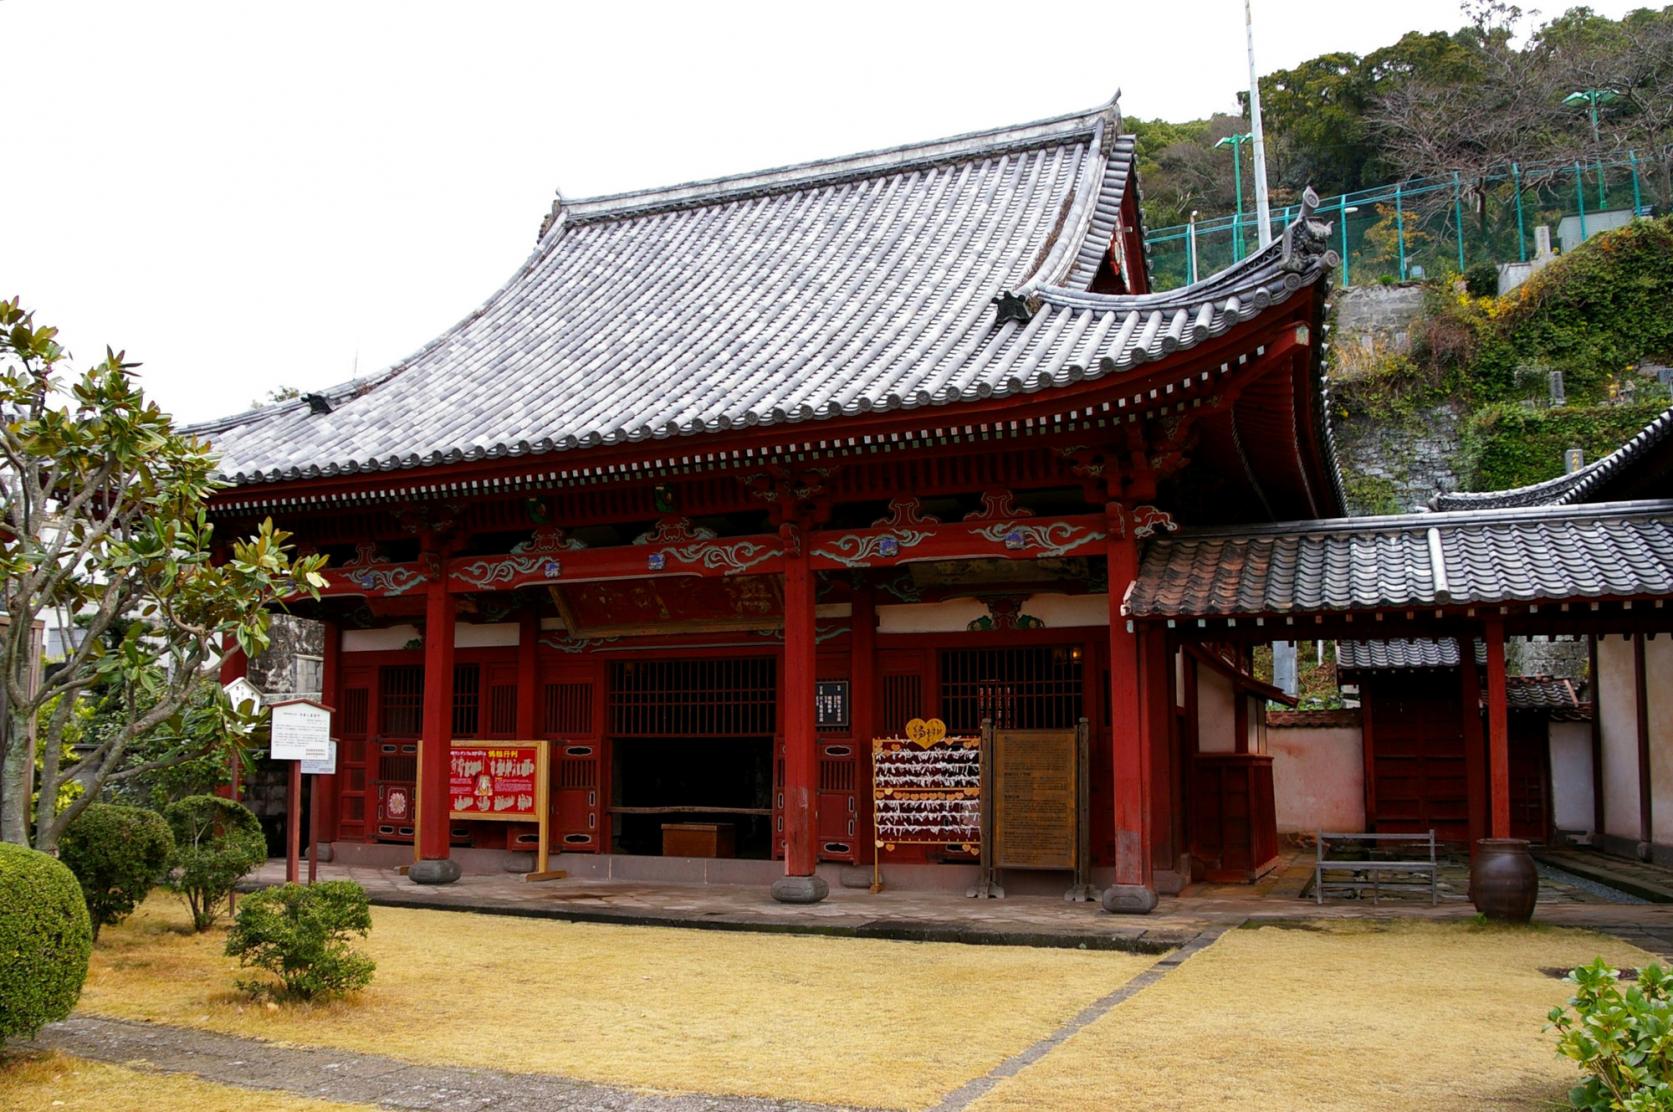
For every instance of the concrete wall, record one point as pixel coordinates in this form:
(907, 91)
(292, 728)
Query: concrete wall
(1616, 710)
(1571, 776)
(1658, 686)
(1318, 778)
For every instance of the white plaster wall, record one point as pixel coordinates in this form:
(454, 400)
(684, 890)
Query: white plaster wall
(378, 640)
(955, 615)
(466, 635)
(1318, 778)
(1216, 712)
(470, 635)
(1619, 728)
(1571, 776)
(1658, 689)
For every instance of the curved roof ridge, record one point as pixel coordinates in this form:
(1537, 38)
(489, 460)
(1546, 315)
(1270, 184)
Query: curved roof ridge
(1566, 489)
(828, 171)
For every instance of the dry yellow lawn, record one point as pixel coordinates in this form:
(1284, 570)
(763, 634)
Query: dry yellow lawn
(59, 1083)
(886, 1024)
(1347, 1016)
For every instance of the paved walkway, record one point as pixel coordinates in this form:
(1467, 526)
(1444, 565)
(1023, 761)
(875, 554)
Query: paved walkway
(1016, 920)
(339, 1075)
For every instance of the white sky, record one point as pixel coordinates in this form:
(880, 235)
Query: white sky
(246, 195)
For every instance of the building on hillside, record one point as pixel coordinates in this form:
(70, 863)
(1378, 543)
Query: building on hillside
(732, 477)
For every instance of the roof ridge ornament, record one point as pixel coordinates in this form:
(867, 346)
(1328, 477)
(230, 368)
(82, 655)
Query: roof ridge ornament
(1307, 240)
(1019, 307)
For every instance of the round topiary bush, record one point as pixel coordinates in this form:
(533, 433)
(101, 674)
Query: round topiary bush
(45, 940)
(117, 853)
(216, 841)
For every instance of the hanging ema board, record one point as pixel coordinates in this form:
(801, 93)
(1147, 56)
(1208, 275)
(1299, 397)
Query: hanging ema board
(926, 790)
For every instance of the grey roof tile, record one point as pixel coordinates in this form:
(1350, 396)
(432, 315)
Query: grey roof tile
(1606, 550)
(836, 288)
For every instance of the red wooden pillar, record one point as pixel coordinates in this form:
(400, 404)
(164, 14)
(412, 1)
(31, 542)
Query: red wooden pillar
(862, 674)
(433, 865)
(1134, 889)
(323, 796)
(1498, 727)
(1475, 751)
(1155, 669)
(801, 761)
(528, 675)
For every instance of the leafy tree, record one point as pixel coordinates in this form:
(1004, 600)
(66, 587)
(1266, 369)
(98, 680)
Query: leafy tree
(216, 842)
(102, 517)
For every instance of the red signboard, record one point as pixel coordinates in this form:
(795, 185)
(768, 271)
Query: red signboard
(495, 782)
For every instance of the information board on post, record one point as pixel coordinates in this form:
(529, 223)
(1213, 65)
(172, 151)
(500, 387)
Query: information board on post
(506, 781)
(300, 731)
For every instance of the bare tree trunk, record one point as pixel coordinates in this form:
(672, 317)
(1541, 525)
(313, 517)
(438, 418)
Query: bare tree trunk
(14, 782)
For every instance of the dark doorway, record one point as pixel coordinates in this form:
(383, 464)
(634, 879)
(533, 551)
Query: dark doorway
(692, 748)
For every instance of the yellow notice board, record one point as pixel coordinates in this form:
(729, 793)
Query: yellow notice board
(504, 781)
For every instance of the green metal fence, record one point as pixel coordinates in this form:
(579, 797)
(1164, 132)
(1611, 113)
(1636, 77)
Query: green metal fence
(1426, 227)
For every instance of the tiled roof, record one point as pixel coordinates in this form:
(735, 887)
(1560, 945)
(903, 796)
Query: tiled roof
(816, 292)
(1311, 719)
(1398, 652)
(1607, 550)
(1577, 487)
(1553, 694)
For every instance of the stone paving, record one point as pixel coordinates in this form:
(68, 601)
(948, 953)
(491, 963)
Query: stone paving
(1284, 893)
(339, 1075)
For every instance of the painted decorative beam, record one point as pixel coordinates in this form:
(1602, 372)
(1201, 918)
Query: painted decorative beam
(1001, 530)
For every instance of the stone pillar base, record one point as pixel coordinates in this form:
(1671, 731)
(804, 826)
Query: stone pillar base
(325, 853)
(434, 871)
(800, 889)
(1129, 899)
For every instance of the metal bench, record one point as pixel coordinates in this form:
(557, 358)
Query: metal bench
(1368, 872)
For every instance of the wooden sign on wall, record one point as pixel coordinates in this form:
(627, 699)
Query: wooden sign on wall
(1041, 812)
(1035, 773)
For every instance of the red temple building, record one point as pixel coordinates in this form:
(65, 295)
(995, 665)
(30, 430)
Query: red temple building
(732, 477)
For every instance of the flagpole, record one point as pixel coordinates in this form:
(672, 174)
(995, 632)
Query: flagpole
(1263, 214)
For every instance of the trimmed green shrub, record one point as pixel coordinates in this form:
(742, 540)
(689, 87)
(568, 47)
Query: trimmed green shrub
(216, 841)
(117, 853)
(300, 934)
(1482, 280)
(1622, 1040)
(45, 941)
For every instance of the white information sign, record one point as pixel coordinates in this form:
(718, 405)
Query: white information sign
(301, 732)
(327, 767)
(241, 691)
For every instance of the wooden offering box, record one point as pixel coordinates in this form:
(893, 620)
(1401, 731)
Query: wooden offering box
(698, 839)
